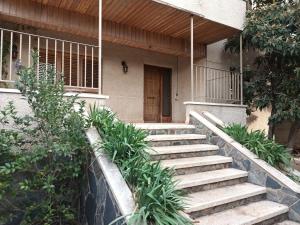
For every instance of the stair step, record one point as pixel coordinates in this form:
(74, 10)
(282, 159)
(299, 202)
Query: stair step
(252, 213)
(177, 149)
(163, 126)
(166, 128)
(195, 161)
(182, 151)
(216, 197)
(288, 222)
(209, 177)
(175, 137)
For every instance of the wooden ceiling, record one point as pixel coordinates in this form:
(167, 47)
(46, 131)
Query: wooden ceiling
(150, 16)
(89, 7)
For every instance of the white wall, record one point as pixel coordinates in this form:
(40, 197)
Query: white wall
(227, 12)
(227, 113)
(126, 91)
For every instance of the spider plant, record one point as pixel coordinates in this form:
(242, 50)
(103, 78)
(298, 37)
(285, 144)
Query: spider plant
(158, 200)
(257, 142)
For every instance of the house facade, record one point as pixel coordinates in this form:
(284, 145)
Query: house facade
(159, 58)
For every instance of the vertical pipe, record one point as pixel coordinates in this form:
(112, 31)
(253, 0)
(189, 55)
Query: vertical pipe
(63, 58)
(196, 81)
(20, 47)
(1, 53)
(38, 59)
(29, 50)
(214, 84)
(192, 58)
(47, 56)
(241, 68)
(10, 54)
(100, 49)
(85, 65)
(204, 82)
(234, 87)
(92, 67)
(78, 64)
(238, 85)
(70, 70)
(55, 53)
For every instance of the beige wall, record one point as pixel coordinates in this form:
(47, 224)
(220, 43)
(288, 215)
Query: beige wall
(23, 108)
(227, 113)
(258, 120)
(126, 91)
(228, 12)
(20, 103)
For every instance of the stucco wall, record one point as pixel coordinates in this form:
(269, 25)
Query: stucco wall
(228, 12)
(126, 91)
(258, 120)
(21, 104)
(225, 112)
(22, 107)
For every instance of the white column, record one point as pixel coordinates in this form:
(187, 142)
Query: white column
(100, 50)
(192, 58)
(241, 68)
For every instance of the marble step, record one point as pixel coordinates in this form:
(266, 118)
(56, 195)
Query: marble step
(197, 164)
(182, 151)
(211, 179)
(261, 212)
(175, 139)
(166, 128)
(288, 222)
(207, 202)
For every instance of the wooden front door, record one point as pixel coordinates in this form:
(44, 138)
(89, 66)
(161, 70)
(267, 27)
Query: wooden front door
(157, 94)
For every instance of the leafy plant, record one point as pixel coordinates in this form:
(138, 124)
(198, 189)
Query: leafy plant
(257, 142)
(272, 30)
(43, 156)
(158, 200)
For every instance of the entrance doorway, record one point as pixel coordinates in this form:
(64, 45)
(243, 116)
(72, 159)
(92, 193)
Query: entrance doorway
(157, 94)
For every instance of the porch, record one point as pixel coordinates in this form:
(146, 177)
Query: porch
(170, 37)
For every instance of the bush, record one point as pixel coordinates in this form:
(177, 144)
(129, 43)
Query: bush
(42, 157)
(257, 142)
(157, 199)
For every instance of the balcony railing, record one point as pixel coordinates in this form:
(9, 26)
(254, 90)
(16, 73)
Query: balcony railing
(76, 63)
(216, 85)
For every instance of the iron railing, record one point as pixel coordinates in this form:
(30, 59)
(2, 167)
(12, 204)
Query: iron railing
(217, 85)
(76, 63)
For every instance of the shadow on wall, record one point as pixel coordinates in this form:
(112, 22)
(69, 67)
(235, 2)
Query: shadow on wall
(258, 120)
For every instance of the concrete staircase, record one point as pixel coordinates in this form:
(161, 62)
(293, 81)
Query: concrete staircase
(217, 194)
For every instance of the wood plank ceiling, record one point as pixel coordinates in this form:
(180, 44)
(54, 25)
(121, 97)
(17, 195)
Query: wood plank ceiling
(150, 16)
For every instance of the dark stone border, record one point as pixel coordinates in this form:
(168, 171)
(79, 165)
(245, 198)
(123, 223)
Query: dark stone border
(277, 191)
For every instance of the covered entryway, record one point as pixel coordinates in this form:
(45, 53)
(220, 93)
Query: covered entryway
(87, 41)
(157, 94)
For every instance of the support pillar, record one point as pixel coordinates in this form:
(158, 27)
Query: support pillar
(241, 68)
(100, 50)
(192, 58)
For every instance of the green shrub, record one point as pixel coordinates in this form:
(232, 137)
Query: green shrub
(43, 157)
(257, 142)
(157, 199)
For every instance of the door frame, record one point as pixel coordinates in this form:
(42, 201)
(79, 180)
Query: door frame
(164, 70)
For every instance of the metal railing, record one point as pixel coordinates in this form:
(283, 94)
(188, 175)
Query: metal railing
(76, 63)
(217, 85)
